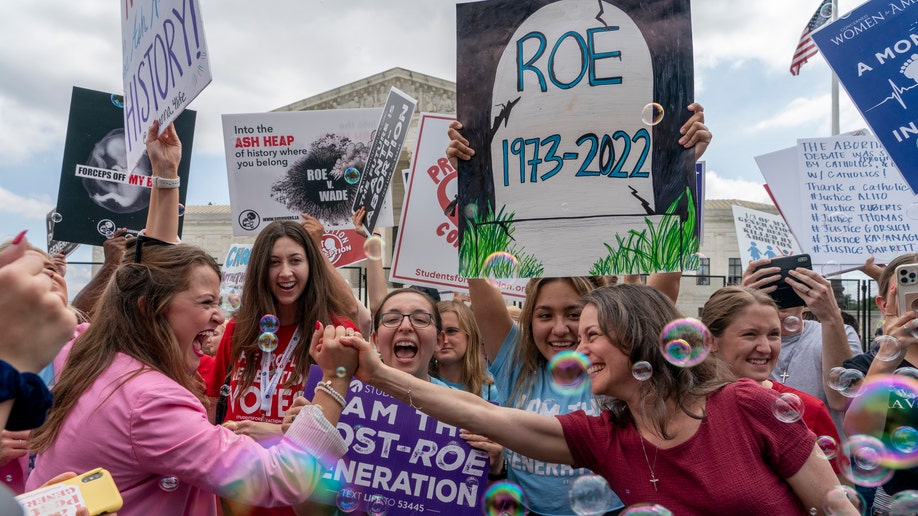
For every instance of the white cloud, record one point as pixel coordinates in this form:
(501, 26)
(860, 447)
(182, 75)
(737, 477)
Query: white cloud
(32, 208)
(717, 187)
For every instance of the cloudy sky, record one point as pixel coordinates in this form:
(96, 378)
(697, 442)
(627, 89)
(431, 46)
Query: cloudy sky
(268, 54)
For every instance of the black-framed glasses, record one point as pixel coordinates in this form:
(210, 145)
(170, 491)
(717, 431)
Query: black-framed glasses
(417, 319)
(142, 240)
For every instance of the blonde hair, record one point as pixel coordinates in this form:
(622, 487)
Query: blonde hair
(474, 376)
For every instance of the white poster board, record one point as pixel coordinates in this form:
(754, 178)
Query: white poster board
(843, 199)
(165, 65)
(426, 250)
(761, 234)
(286, 163)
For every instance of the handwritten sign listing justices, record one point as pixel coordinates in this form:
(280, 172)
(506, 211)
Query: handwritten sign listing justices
(856, 201)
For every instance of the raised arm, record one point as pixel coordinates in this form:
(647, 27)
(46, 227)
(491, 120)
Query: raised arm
(165, 153)
(491, 314)
(113, 250)
(340, 288)
(817, 292)
(533, 435)
(377, 283)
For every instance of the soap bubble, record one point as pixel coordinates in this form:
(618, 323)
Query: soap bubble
(347, 500)
(642, 371)
(652, 114)
(787, 407)
(792, 324)
(267, 342)
(269, 323)
(504, 499)
(352, 176)
(685, 342)
(569, 371)
(373, 248)
(590, 494)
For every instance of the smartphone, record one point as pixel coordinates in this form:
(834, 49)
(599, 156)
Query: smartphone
(907, 287)
(784, 295)
(94, 490)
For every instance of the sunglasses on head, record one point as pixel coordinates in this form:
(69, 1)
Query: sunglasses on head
(143, 240)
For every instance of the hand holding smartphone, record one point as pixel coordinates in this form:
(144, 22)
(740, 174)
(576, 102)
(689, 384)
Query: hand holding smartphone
(784, 295)
(94, 490)
(906, 277)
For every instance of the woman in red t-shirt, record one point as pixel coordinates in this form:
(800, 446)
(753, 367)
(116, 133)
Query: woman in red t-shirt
(288, 277)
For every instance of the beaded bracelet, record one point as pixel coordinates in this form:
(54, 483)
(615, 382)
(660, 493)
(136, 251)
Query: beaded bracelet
(33, 399)
(327, 389)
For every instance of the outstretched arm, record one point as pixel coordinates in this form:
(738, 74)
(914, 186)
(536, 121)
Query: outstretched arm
(534, 435)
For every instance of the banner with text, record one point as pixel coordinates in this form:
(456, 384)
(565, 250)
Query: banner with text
(874, 52)
(400, 461)
(426, 250)
(98, 192)
(281, 164)
(573, 109)
(384, 155)
(762, 235)
(165, 65)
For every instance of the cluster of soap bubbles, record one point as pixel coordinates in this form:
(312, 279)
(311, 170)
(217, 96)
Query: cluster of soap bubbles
(267, 341)
(685, 342)
(569, 372)
(846, 381)
(348, 500)
(869, 458)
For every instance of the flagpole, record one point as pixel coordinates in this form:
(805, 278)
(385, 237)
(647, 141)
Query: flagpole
(835, 129)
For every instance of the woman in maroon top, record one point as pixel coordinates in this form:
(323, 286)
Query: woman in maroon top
(747, 337)
(690, 439)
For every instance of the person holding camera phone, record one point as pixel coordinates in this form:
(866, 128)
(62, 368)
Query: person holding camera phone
(809, 349)
(900, 322)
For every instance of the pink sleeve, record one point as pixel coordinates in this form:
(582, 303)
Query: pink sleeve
(170, 435)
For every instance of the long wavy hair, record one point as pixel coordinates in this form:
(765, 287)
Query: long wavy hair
(131, 319)
(527, 357)
(633, 317)
(474, 376)
(316, 303)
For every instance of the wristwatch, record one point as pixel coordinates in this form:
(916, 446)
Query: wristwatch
(164, 182)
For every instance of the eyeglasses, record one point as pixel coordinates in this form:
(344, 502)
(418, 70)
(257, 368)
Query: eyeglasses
(417, 319)
(140, 241)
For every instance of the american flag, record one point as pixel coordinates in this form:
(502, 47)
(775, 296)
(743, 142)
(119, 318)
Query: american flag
(806, 48)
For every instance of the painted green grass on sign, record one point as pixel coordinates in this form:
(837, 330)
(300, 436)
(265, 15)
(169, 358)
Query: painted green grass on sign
(489, 251)
(668, 247)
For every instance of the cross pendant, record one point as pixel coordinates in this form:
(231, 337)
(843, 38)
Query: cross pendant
(784, 376)
(654, 481)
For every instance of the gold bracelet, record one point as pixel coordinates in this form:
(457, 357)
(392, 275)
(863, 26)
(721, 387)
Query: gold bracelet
(411, 402)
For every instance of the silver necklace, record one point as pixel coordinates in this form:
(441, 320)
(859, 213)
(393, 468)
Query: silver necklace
(653, 477)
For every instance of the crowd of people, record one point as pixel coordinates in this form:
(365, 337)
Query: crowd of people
(195, 411)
